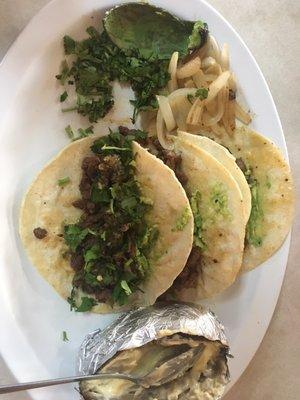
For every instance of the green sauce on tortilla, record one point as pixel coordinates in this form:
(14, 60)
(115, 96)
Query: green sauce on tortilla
(182, 220)
(253, 229)
(195, 201)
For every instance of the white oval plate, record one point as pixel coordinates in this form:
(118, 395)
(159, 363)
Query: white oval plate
(32, 315)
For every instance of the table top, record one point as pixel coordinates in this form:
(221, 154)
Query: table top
(271, 29)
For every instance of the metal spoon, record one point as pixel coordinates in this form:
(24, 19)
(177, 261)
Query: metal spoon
(59, 381)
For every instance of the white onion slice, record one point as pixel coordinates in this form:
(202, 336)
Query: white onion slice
(189, 69)
(214, 69)
(213, 49)
(181, 92)
(225, 57)
(199, 79)
(218, 130)
(213, 120)
(166, 112)
(210, 77)
(172, 84)
(241, 114)
(189, 84)
(217, 85)
(208, 62)
(195, 114)
(180, 107)
(161, 136)
(232, 82)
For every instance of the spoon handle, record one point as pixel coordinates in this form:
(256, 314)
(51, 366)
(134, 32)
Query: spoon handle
(60, 381)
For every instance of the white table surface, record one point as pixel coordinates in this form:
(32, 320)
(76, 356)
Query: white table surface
(271, 29)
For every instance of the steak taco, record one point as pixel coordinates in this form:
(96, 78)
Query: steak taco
(107, 224)
(219, 223)
(272, 190)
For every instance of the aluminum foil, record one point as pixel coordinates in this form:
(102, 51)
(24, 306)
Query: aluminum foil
(141, 326)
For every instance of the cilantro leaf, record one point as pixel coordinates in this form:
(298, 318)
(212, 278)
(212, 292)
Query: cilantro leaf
(190, 97)
(143, 263)
(65, 336)
(63, 96)
(100, 195)
(91, 279)
(69, 44)
(126, 288)
(198, 35)
(105, 147)
(87, 303)
(65, 72)
(121, 293)
(74, 235)
(91, 254)
(69, 132)
(202, 93)
(98, 62)
(81, 133)
(129, 204)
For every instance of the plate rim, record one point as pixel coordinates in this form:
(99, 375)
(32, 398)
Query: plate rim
(16, 44)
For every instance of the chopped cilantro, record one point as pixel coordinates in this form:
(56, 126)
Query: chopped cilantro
(64, 74)
(87, 303)
(103, 236)
(63, 96)
(65, 336)
(98, 62)
(129, 204)
(190, 97)
(64, 181)
(74, 235)
(100, 195)
(105, 147)
(195, 202)
(126, 288)
(111, 206)
(69, 132)
(69, 44)
(71, 299)
(119, 295)
(68, 109)
(182, 220)
(91, 279)
(81, 133)
(91, 254)
(201, 93)
(195, 38)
